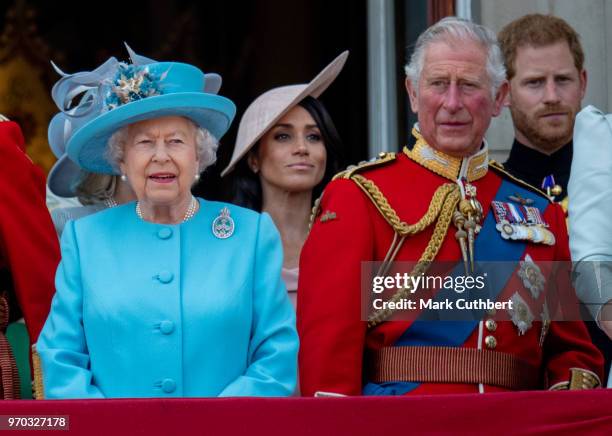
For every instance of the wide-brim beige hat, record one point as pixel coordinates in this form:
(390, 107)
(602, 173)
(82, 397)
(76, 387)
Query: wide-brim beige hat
(272, 105)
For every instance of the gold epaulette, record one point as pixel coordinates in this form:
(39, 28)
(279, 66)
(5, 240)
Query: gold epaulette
(383, 158)
(499, 169)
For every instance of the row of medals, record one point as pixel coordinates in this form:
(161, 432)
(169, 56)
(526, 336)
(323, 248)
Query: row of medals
(521, 223)
(468, 217)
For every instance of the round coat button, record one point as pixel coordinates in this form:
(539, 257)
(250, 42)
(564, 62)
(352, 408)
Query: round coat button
(165, 276)
(491, 325)
(166, 327)
(491, 342)
(164, 233)
(168, 385)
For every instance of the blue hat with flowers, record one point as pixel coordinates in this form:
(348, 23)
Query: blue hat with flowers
(95, 104)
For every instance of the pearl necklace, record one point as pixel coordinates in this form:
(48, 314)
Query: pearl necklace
(110, 202)
(191, 210)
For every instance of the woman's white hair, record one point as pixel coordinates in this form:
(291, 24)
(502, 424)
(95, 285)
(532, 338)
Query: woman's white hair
(206, 146)
(458, 29)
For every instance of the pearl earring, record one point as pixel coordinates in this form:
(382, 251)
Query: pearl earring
(197, 176)
(123, 178)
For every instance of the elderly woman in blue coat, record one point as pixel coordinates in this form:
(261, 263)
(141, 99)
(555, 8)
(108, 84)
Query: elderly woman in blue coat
(171, 295)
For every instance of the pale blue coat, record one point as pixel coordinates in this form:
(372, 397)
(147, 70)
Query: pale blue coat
(590, 209)
(151, 310)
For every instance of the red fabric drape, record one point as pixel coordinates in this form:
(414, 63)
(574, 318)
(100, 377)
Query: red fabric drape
(575, 412)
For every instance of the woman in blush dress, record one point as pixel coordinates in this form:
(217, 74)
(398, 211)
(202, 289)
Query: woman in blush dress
(286, 151)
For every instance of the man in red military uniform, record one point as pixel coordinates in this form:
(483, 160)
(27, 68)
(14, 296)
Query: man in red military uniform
(439, 199)
(29, 251)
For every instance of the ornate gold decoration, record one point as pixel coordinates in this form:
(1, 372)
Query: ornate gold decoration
(468, 217)
(402, 228)
(583, 379)
(520, 314)
(328, 216)
(383, 158)
(463, 171)
(316, 208)
(531, 276)
(556, 190)
(37, 385)
(441, 210)
(461, 236)
(441, 207)
(561, 386)
(579, 379)
(445, 165)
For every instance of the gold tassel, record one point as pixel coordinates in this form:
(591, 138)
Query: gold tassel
(37, 385)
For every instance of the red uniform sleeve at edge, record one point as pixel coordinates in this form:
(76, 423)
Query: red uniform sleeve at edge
(332, 334)
(28, 243)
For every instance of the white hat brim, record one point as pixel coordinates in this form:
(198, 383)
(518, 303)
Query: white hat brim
(271, 106)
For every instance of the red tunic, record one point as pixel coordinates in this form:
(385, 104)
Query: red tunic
(29, 248)
(333, 336)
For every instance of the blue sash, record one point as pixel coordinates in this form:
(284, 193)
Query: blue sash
(429, 329)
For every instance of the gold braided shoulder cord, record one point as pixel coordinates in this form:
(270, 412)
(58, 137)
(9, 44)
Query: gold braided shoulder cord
(316, 208)
(441, 207)
(427, 257)
(401, 227)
